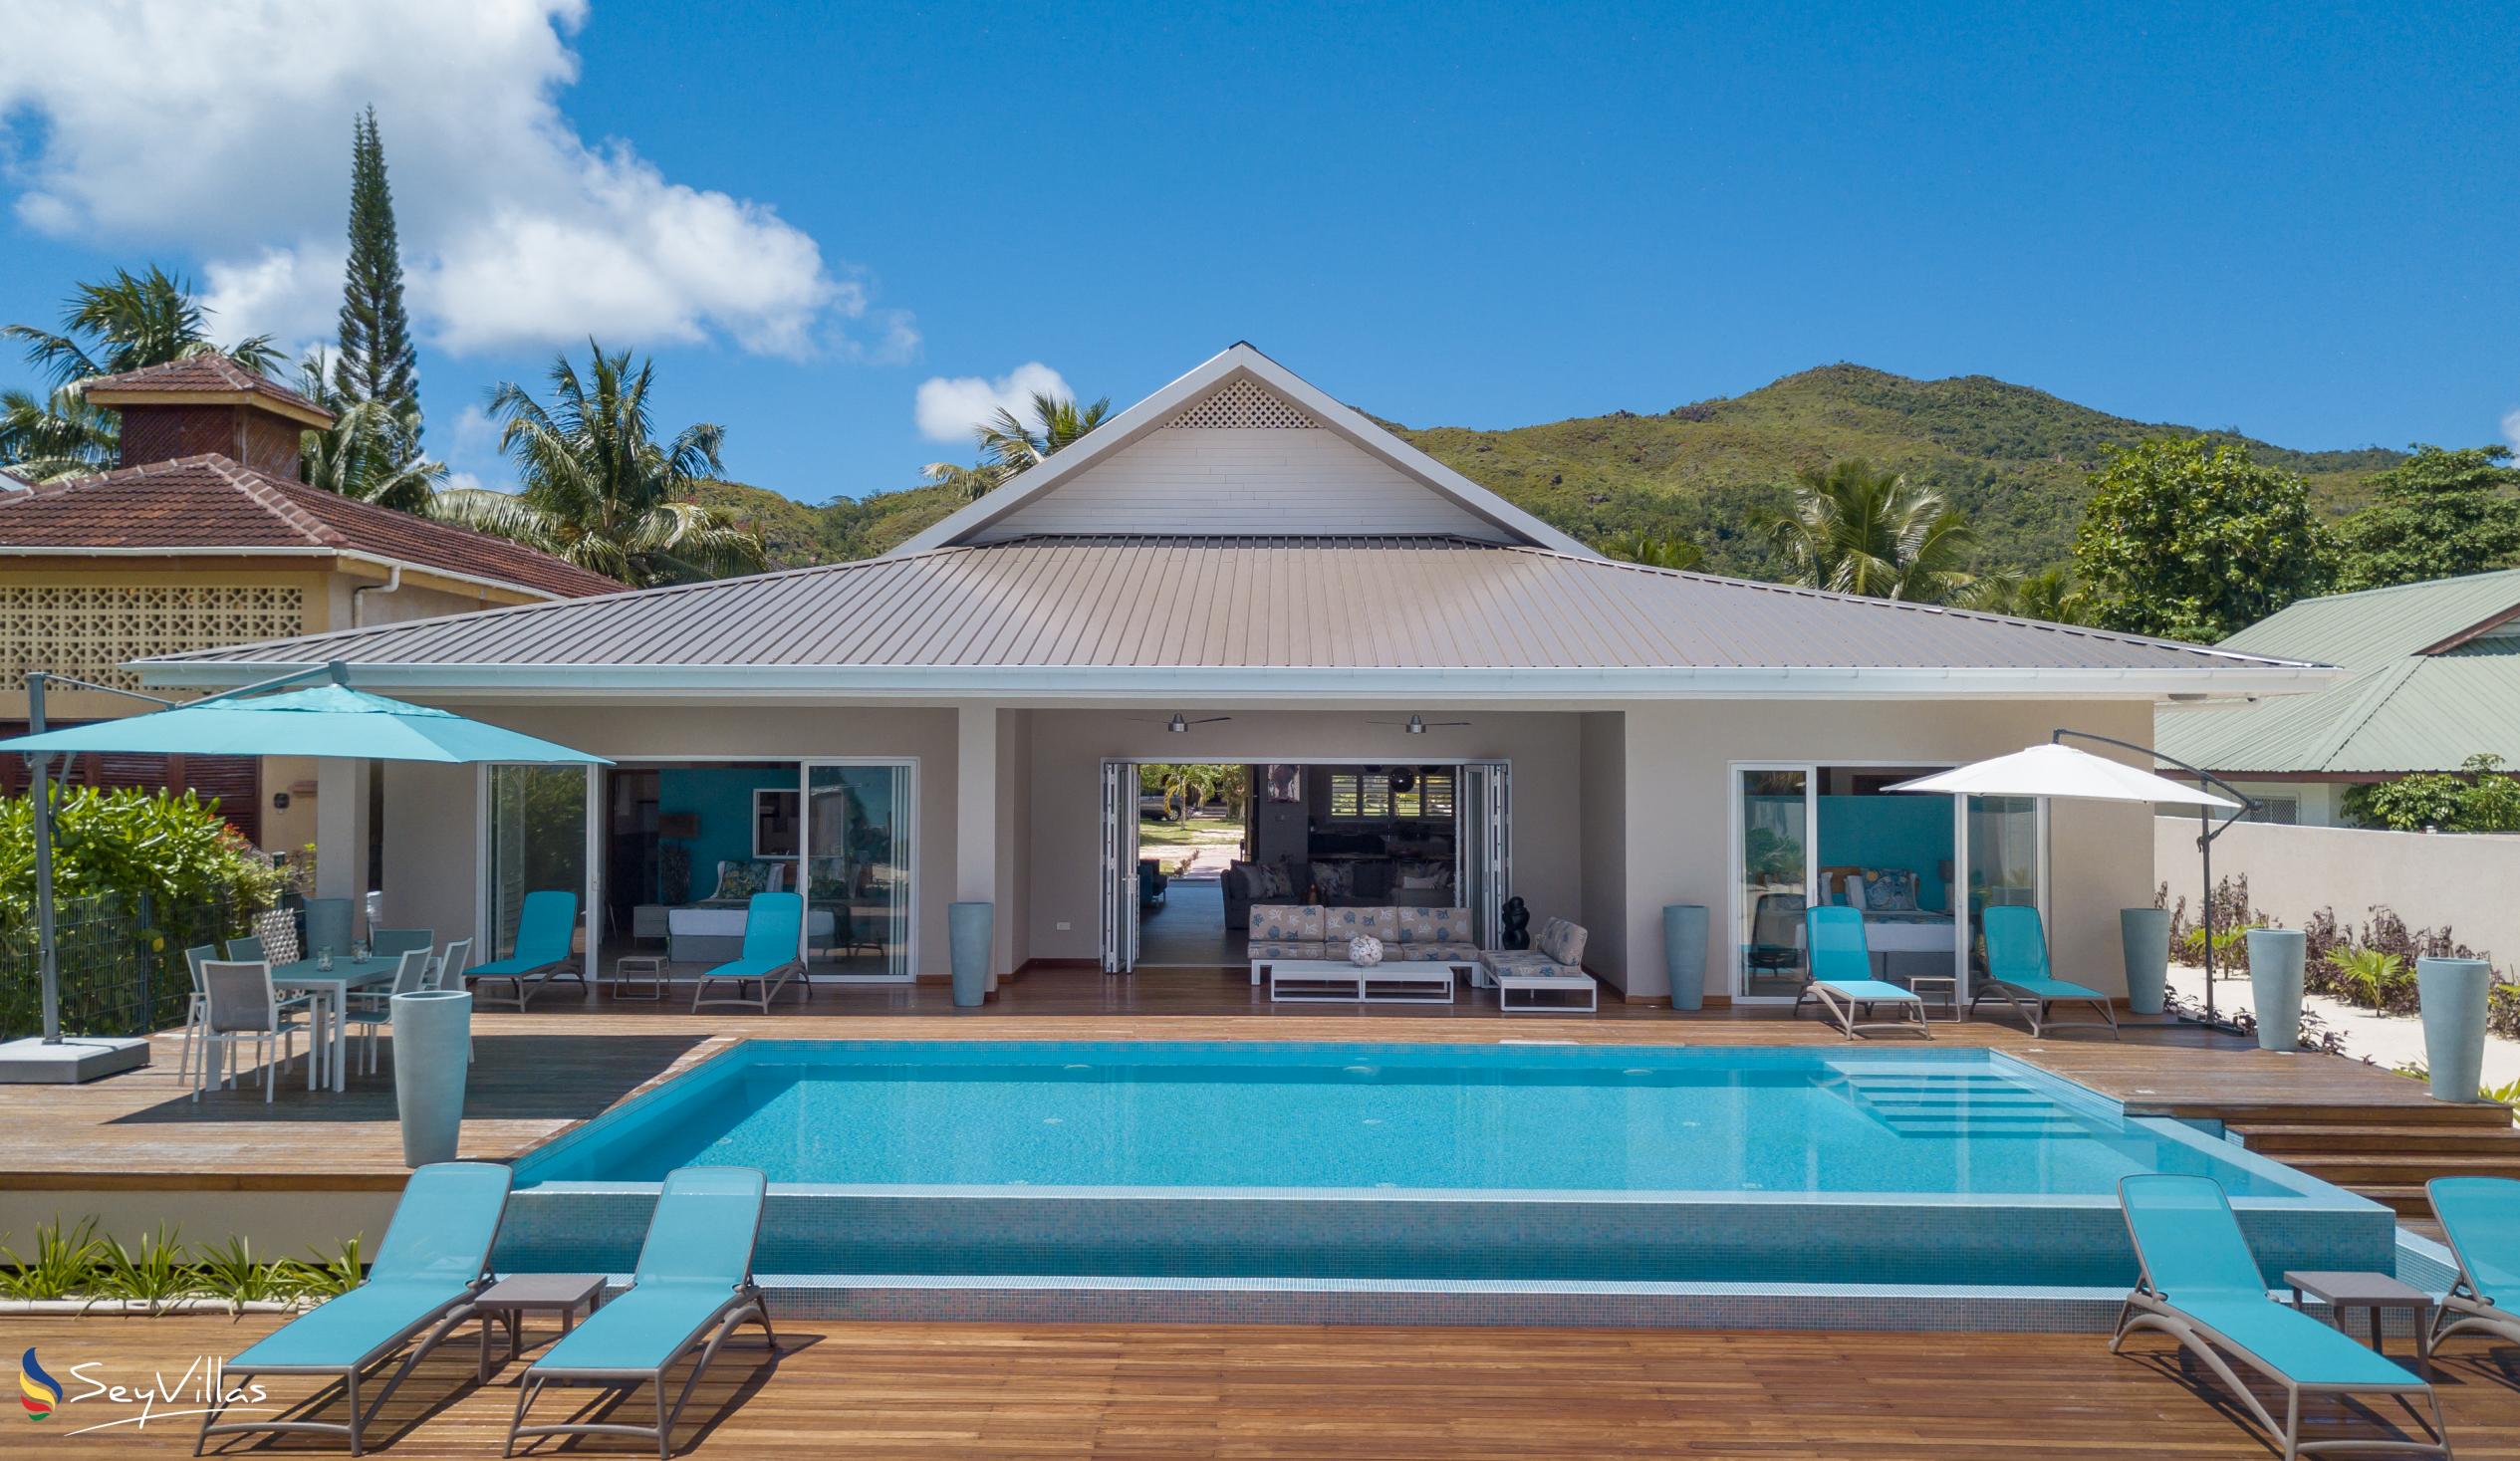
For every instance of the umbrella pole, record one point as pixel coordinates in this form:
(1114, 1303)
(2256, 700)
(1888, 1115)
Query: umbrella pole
(47, 958)
(2205, 851)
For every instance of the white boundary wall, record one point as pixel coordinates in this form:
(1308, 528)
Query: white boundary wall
(2469, 883)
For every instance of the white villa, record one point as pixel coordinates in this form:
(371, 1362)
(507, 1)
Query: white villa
(1240, 569)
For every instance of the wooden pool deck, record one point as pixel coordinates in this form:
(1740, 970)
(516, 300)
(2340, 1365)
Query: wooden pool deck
(576, 1055)
(1017, 1392)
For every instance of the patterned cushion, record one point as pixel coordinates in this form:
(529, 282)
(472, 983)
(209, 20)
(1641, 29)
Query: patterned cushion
(1432, 925)
(1287, 923)
(1562, 941)
(1290, 950)
(1346, 923)
(1453, 953)
(1889, 892)
(1527, 963)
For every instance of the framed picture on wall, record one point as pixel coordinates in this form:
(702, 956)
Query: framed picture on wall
(1286, 783)
(774, 821)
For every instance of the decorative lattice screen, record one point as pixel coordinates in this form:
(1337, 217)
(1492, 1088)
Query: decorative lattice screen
(1240, 405)
(90, 630)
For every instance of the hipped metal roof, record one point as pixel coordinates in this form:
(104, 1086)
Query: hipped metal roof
(2428, 684)
(1082, 616)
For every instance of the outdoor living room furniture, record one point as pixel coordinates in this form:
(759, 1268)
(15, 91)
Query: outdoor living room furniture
(239, 1004)
(1335, 981)
(2203, 1287)
(2480, 1218)
(1842, 981)
(545, 929)
(769, 960)
(1151, 884)
(693, 1290)
(1545, 977)
(2017, 974)
(518, 1294)
(1408, 935)
(434, 1259)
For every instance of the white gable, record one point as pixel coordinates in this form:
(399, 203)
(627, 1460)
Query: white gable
(1243, 461)
(1241, 448)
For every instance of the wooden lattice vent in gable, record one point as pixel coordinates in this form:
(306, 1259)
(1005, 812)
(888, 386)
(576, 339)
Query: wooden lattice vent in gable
(1243, 406)
(89, 633)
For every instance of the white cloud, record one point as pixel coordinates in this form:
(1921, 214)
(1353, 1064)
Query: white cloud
(2511, 427)
(515, 230)
(952, 407)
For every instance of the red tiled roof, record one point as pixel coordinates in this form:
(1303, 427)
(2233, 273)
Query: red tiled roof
(202, 504)
(210, 373)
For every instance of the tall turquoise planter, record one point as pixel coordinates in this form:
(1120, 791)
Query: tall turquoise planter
(2144, 936)
(2453, 993)
(1684, 954)
(2276, 957)
(433, 1055)
(970, 930)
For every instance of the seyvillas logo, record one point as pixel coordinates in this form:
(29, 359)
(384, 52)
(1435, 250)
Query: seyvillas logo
(39, 1392)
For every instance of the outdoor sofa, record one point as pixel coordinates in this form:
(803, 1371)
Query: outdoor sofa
(1288, 931)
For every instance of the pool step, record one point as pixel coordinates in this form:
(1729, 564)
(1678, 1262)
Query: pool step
(2282, 1142)
(1973, 1104)
(2384, 1156)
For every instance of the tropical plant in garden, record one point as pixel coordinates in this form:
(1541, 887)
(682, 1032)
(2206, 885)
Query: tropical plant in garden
(2191, 540)
(2479, 797)
(1854, 528)
(106, 326)
(2373, 973)
(1662, 553)
(376, 361)
(2436, 515)
(599, 487)
(370, 451)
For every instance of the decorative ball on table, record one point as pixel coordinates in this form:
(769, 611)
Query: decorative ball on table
(1365, 951)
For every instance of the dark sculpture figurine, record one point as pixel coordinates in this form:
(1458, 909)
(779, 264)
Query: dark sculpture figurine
(1516, 933)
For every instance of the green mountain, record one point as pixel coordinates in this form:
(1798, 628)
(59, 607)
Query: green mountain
(2012, 457)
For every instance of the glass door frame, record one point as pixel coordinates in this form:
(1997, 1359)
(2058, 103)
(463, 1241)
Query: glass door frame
(1737, 934)
(590, 897)
(906, 858)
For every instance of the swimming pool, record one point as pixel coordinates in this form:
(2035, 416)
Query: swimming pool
(1499, 1162)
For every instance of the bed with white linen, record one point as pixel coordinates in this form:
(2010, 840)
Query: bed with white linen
(713, 933)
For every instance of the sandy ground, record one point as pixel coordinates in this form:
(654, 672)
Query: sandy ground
(2391, 1040)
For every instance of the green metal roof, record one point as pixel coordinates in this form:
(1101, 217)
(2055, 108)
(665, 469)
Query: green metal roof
(2399, 710)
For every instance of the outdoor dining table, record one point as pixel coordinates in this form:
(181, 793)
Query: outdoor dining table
(327, 1043)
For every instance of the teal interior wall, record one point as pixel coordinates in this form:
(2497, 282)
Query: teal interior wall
(722, 797)
(1913, 833)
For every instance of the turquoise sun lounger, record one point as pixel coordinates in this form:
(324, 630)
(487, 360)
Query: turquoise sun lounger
(692, 1291)
(2017, 973)
(774, 924)
(2203, 1287)
(1842, 981)
(545, 928)
(2481, 1218)
(434, 1260)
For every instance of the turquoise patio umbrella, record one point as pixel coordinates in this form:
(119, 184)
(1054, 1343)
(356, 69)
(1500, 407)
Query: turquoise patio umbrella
(329, 719)
(324, 720)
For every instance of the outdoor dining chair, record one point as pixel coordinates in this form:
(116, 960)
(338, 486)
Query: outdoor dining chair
(447, 972)
(194, 1008)
(248, 949)
(371, 1012)
(384, 943)
(242, 1007)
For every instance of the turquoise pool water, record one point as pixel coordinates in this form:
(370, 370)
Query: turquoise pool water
(1383, 1117)
(1178, 1161)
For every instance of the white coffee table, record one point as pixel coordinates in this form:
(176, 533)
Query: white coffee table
(1326, 981)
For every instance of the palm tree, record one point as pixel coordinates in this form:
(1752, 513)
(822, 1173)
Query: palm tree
(1857, 530)
(1011, 443)
(597, 486)
(108, 327)
(369, 451)
(2050, 595)
(1662, 553)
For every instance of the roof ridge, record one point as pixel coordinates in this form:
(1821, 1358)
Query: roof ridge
(2385, 682)
(261, 489)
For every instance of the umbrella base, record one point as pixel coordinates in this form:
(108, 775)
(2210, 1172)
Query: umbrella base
(79, 1057)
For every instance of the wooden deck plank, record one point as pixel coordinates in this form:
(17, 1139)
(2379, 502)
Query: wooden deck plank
(886, 1390)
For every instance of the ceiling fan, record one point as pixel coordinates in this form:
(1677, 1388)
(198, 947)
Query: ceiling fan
(1180, 724)
(1415, 725)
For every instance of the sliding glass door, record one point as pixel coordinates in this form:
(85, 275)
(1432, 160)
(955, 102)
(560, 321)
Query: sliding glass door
(537, 840)
(1774, 878)
(859, 870)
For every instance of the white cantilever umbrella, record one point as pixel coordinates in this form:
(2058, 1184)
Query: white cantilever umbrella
(2056, 770)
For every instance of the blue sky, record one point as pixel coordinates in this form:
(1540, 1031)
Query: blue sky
(2296, 221)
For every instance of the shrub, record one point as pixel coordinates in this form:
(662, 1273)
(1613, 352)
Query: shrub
(2479, 797)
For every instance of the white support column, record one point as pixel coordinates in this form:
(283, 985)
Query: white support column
(341, 827)
(975, 816)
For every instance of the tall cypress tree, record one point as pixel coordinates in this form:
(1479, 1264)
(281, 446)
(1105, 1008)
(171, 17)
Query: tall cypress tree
(376, 360)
